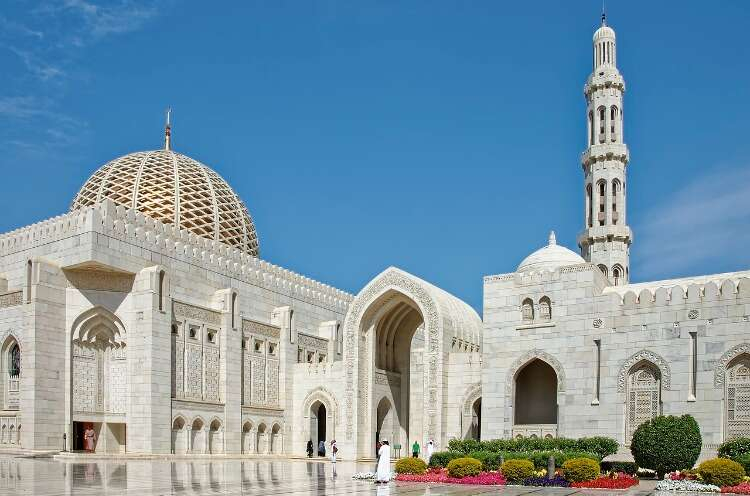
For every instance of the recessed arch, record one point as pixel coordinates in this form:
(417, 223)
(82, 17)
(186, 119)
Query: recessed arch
(649, 356)
(99, 326)
(471, 412)
(721, 365)
(737, 398)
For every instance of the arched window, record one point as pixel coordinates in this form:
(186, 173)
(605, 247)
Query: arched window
(602, 198)
(234, 307)
(615, 194)
(589, 206)
(591, 127)
(644, 395)
(604, 270)
(602, 117)
(617, 275)
(14, 361)
(612, 120)
(527, 310)
(545, 308)
(738, 397)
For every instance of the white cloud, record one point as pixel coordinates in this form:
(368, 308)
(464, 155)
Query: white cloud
(38, 67)
(706, 221)
(112, 18)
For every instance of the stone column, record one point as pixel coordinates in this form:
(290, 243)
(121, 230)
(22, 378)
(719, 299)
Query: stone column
(230, 345)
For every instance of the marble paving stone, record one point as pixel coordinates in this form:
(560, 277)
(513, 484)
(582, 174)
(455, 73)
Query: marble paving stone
(48, 477)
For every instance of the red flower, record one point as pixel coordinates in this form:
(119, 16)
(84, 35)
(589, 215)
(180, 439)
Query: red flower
(622, 481)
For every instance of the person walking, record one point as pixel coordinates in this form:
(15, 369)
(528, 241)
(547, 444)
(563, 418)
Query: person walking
(334, 450)
(309, 449)
(415, 449)
(322, 448)
(430, 450)
(383, 473)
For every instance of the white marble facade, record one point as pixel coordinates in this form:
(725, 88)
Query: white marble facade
(146, 314)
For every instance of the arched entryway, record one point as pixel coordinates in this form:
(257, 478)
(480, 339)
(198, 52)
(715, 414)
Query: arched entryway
(261, 445)
(398, 331)
(318, 417)
(197, 436)
(179, 436)
(215, 437)
(475, 429)
(535, 400)
(471, 413)
(248, 438)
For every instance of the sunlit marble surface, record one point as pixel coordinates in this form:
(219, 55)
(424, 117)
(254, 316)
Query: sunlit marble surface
(48, 477)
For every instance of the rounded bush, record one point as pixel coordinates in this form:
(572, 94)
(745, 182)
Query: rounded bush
(580, 469)
(734, 448)
(517, 470)
(411, 466)
(721, 472)
(744, 460)
(629, 468)
(490, 461)
(666, 444)
(462, 467)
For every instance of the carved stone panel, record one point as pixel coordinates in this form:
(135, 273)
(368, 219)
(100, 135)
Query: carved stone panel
(253, 327)
(211, 357)
(196, 313)
(193, 372)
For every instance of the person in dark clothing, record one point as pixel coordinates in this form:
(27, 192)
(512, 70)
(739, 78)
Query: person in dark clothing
(322, 448)
(309, 449)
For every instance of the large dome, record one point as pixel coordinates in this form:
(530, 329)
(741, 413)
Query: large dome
(550, 258)
(174, 189)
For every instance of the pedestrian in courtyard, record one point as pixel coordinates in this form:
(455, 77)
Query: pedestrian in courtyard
(415, 449)
(322, 448)
(334, 450)
(89, 439)
(383, 473)
(430, 450)
(309, 449)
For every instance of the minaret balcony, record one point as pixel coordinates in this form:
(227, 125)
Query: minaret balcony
(601, 152)
(599, 233)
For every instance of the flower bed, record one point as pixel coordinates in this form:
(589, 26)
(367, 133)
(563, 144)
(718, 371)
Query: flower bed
(544, 481)
(614, 481)
(686, 485)
(440, 475)
(742, 488)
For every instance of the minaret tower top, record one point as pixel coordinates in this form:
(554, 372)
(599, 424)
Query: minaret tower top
(606, 238)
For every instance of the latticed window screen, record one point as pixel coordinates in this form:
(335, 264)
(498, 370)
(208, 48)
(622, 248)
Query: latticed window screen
(644, 396)
(174, 189)
(738, 398)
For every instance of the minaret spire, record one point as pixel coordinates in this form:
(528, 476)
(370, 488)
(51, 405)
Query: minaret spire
(168, 130)
(604, 14)
(606, 237)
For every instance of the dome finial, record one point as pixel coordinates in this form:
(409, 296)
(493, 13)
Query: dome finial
(604, 14)
(168, 130)
(552, 240)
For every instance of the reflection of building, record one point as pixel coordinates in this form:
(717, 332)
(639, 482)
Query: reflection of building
(146, 313)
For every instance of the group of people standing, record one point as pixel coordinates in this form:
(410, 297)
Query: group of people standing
(322, 449)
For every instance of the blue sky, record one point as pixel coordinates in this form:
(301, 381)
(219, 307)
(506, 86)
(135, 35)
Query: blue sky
(440, 137)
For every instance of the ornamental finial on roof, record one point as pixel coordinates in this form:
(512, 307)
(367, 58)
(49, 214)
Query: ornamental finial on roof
(604, 14)
(168, 131)
(552, 240)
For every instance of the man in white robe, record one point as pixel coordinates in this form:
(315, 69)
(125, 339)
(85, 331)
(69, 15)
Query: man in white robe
(429, 450)
(383, 473)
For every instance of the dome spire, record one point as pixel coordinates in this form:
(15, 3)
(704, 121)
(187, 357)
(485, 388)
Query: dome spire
(168, 130)
(552, 239)
(604, 14)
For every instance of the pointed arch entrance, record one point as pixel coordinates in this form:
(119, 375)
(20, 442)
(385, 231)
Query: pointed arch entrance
(535, 381)
(397, 332)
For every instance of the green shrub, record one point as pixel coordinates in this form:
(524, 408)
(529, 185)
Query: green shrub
(442, 458)
(410, 466)
(490, 461)
(601, 446)
(734, 448)
(629, 468)
(461, 467)
(517, 470)
(721, 472)
(744, 460)
(539, 458)
(580, 469)
(667, 443)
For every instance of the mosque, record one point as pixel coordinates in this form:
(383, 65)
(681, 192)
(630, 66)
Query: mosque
(146, 316)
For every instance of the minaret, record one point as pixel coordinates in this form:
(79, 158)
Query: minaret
(606, 237)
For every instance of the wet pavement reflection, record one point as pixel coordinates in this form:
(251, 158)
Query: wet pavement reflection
(49, 477)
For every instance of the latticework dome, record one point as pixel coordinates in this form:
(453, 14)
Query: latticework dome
(175, 189)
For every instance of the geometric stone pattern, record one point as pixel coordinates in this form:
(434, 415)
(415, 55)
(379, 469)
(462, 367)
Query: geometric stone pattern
(647, 356)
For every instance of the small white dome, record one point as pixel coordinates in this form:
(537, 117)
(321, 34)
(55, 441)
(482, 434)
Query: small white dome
(550, 257)
(604, 32)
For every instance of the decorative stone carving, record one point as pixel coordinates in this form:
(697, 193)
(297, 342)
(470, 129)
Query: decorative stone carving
(11, 299)
(473, 393)
(312, 342)
(253, 327)
(598, 323)
(721, 366)
(693, 314)
(211, 358)
(100, 280)
(526, 358)
(649, 356)
(196, 313)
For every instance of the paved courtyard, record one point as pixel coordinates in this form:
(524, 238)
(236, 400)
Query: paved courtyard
(48, 477)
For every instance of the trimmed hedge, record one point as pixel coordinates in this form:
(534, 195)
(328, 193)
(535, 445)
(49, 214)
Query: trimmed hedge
(629, 468)
(462, 467)
(601, 446)
(580, 469)
(721, 472)
(735, 448)
(517, 470)
(667, 443)
(410, 466)
(491, 460)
